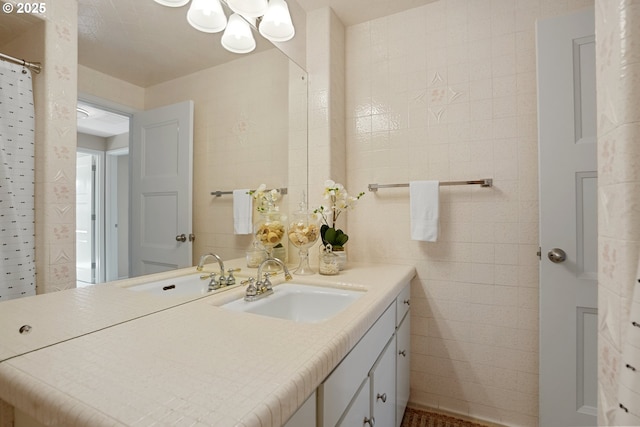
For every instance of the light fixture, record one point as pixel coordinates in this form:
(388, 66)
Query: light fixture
(276, 23)
(272, 16)
(237, 37)
(207, 16)
(172, 3)
(81, 113)
(248, 8)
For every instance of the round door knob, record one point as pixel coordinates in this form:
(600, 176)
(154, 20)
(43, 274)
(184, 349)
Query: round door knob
(557, 255)
(370, 421)
(181, 238)
(382, 397)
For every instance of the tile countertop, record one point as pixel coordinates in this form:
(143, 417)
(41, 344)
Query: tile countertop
(196, 363)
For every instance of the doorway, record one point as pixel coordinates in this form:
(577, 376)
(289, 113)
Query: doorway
(102, 195)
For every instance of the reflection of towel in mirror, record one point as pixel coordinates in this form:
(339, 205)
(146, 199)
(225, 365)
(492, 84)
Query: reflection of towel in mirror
(424, 204)
(242, 212)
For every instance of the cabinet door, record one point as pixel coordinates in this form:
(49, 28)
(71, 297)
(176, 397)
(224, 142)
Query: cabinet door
(383, 386)
(359, 413)
(403, 344)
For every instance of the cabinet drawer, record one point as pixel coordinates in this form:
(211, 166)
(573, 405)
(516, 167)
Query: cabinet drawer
(342, 384)
(402, 303)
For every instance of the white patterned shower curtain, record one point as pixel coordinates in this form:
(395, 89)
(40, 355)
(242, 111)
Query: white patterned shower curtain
(17, 214)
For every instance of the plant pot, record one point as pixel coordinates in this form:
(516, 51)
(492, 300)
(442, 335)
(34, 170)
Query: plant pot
(341, 254)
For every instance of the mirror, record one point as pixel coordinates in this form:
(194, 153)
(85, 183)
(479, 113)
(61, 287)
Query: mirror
(250, 115)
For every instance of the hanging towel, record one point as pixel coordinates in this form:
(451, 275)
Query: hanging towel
(424, 203)
(242, 212)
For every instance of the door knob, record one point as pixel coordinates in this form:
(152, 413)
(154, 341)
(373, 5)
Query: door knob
(181, 238)
(557, 255)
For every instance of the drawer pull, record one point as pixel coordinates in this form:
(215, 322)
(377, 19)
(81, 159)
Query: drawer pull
(408, 302)
(403, 353)
(382, 397)
(371, 421)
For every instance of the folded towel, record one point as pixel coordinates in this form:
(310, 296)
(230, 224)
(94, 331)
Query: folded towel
(242, 212)
(424, 203)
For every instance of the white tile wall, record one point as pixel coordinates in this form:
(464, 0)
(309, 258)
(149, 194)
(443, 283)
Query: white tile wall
(447, 91)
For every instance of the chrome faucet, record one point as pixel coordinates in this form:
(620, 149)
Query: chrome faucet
(261, 288)
(215, 283)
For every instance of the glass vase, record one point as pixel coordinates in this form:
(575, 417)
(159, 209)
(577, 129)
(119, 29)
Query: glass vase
(269, 231)
(304, 231)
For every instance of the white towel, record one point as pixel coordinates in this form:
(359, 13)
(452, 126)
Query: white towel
(242, 212)
(424, 202)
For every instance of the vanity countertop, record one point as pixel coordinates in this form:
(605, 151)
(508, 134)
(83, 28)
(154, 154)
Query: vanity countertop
(192, 364)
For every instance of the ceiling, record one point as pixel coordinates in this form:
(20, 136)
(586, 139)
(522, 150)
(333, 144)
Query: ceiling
(145, 43)
(99, 122)
(352, 12)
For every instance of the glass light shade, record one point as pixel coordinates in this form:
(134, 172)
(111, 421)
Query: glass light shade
(276, 24)
(248, 8)
(237, 37)
(172, 3)
(207, 16)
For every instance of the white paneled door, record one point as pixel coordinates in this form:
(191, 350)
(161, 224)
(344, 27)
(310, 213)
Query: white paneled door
(568, 220)
(161, 156)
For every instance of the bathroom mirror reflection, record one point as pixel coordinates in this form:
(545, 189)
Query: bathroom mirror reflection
(249, 128)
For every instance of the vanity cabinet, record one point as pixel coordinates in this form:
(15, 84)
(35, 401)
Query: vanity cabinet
(403, 355)
(371, 384)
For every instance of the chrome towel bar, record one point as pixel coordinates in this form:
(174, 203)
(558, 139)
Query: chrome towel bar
(488, 182)
(220, 193)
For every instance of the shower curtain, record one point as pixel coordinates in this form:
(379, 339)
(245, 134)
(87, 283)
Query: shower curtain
(628, 413)
(17, 214)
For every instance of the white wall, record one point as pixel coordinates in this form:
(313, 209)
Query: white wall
(92, 142)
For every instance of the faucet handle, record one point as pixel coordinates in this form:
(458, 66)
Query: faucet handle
(252, 291)
(214, 283)
(266, 282)
(231, 280)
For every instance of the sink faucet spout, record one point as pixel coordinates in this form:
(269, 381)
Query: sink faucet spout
(204, 257)
(287, 275)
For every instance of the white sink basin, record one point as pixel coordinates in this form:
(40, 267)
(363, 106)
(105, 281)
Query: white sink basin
(301, 303)
(183, 286)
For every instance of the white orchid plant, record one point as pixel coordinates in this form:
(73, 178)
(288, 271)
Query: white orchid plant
(339, 201)
(266, 200)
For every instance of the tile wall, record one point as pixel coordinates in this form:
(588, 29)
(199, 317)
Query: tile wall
(447, 91)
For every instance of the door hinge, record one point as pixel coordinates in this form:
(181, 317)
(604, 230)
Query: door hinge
(539, 253)
(93, 265)
(93, 168)
(93, 217)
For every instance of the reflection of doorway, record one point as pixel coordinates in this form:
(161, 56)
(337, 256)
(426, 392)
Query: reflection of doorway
(86, 207)
(117, 215)
(102, 188)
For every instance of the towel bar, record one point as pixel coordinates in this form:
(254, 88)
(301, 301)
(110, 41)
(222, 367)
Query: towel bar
(488, 182)
(220, 193)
